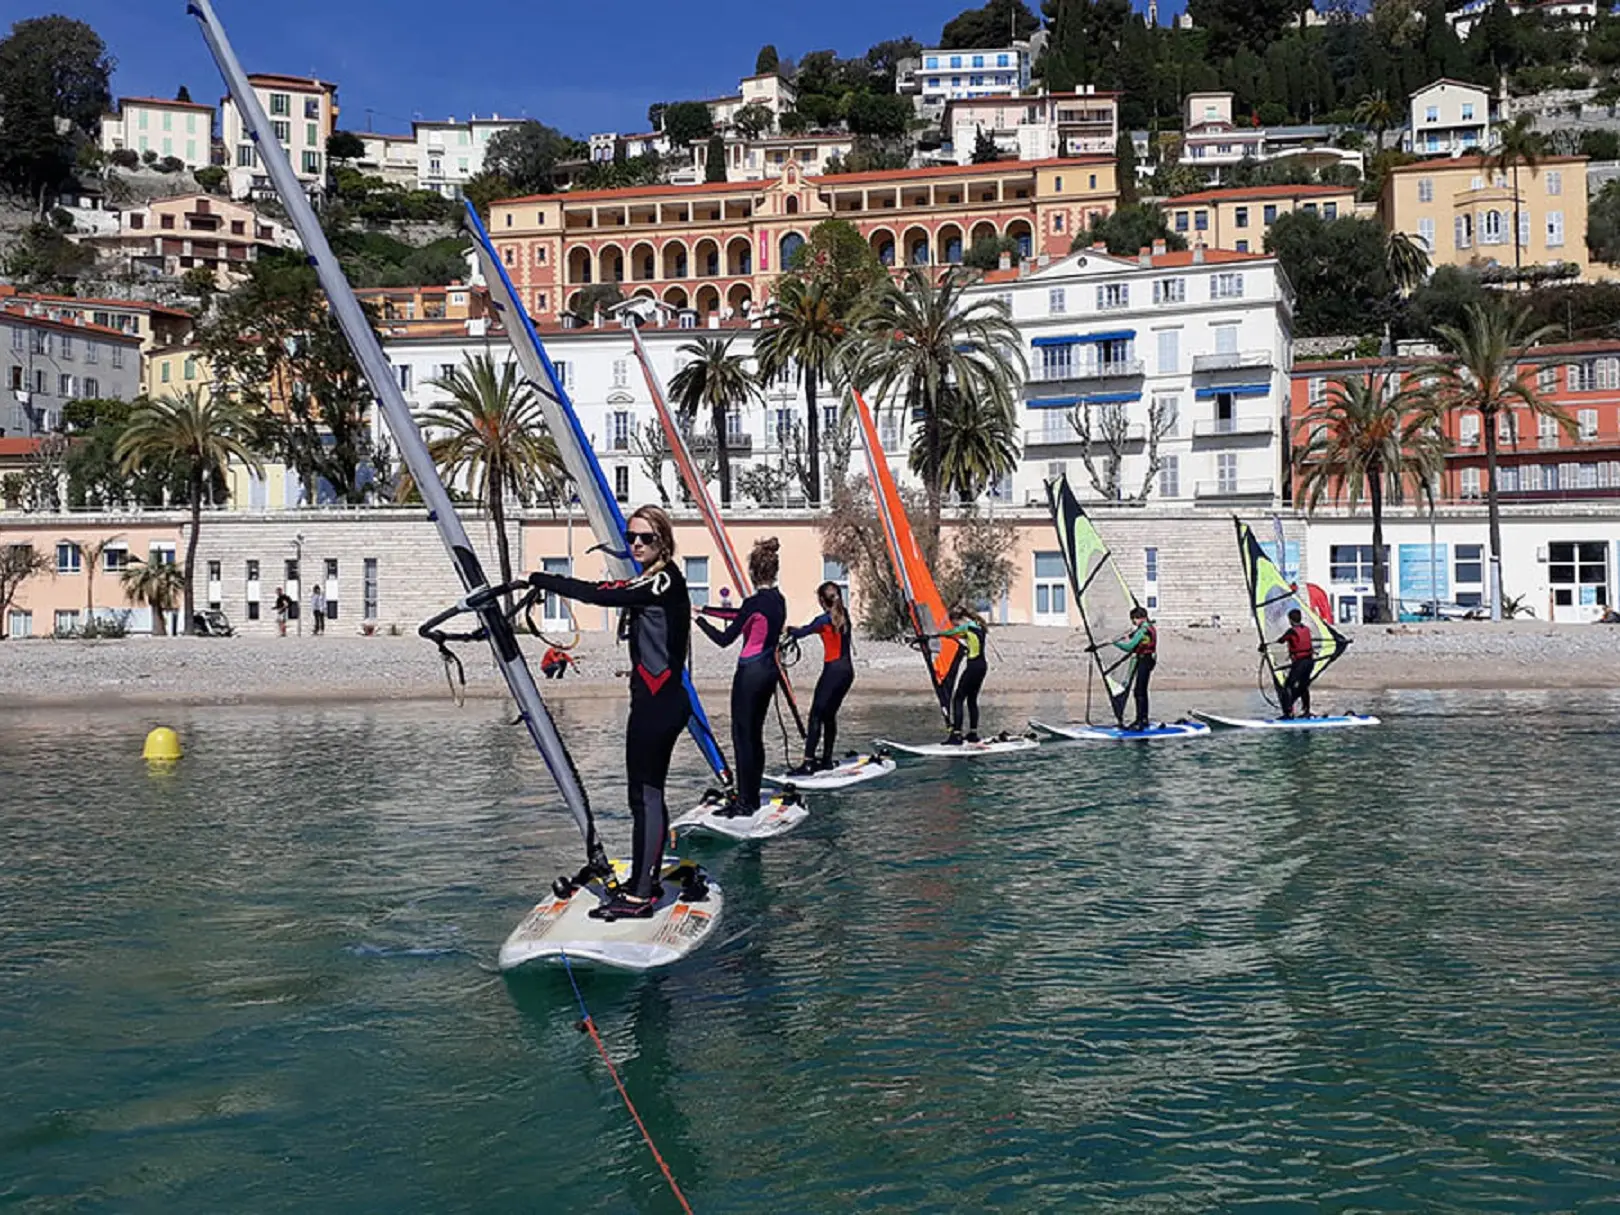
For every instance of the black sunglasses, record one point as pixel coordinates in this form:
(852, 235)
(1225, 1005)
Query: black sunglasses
(650, 539)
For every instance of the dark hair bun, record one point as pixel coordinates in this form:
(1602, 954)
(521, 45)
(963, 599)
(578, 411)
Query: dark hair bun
(770, 544)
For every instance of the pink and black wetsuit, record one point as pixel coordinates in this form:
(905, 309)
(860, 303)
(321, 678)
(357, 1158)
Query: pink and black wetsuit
(758, 621)
(837, 674)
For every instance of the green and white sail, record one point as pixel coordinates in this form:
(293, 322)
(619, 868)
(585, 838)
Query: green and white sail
(1271, 598)
(1102, 597)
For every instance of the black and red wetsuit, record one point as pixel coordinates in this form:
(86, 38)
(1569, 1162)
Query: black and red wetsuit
(758, 620)
(837, 674)
(1301, 643)
(657, 622)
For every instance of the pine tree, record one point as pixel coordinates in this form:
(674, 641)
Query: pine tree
(715, 167)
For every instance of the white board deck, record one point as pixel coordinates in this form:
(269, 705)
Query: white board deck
(1339, 721)
(852, 771)
(966, 750)
(558, 926)
(1090, 733)
(777, 815)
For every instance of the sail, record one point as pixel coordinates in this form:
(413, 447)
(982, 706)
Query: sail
(1272, 597)
(407, 436)
(692, 475)
(574, 446)
(924, 606)
(1101, 594)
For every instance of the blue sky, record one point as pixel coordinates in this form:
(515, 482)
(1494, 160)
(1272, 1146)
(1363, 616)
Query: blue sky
(581, 67)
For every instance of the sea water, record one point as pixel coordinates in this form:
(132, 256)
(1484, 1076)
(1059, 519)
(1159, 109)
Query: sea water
(1367, 970)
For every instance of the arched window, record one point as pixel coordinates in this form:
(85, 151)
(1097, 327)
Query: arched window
(791, 244)
(792, 206)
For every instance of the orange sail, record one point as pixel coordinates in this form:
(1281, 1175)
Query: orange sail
(923, 603)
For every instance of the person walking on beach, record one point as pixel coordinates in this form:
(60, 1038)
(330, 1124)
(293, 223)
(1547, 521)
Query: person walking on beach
(283, 609)
(657, 622)
(837, 674)
(758, 620)
(967, 672)
(317, 609)
(1301, 643)
(1143, 646)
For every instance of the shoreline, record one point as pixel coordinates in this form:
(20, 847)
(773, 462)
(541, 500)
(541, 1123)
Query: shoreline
(337, 668)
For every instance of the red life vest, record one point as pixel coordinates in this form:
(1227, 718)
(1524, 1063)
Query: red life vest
(1148, 647)
(1301, 642)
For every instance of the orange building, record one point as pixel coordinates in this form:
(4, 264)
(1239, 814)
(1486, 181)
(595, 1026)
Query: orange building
(1537, 460)
(716, 248)
(425, 311)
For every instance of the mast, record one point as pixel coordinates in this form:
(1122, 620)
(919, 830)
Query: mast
(402, 425)
(590, 481)
(1088, 559)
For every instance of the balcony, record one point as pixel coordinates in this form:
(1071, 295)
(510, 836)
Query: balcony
(1220, 428)
(1232, 361)
(1258, 487)
(703, 444)
(1068, 436)
(1118, 369)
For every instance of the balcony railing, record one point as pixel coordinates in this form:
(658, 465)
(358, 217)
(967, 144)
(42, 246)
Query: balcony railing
(702, 445)
(1117, 369)
(1212, 428)
(1135, 432)
(1252, 488)
(1232, 360)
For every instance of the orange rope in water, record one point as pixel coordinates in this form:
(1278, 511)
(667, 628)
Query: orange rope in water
(589, 1025)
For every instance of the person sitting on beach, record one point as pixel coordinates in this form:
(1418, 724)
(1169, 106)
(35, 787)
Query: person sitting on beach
(1301, 643)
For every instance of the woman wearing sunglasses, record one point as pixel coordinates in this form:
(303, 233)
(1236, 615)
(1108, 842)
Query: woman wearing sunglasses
(657, 622)
(758, 620)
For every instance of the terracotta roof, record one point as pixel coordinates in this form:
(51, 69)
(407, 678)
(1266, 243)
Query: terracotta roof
(1131, 261)
(169, 105)
(18, 447)
(1030, 97)
(1235, 193)
(9, 292)
(21, 313)
(702, 188)
(1471, 162)
(1536, 354)
(307, 82)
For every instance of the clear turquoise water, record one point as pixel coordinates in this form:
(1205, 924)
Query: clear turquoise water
(1375, 970)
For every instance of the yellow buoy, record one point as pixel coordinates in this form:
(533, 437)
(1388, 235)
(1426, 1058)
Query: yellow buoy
(162, 746)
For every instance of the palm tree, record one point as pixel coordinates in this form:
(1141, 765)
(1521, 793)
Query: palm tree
(1406, 261)
(197, 434)
(492, 434)
(977, 444)
(1374, 110)
(154, 584)
(1370, 437)
(1483, 374)
(1520, 145)
(92, 554)
(717, 379)
(924, 342)
(804, 330)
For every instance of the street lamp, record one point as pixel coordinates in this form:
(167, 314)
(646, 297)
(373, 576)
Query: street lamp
(296, 596)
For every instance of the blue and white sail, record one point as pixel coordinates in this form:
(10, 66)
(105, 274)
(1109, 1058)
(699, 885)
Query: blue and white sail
(479, 600)
(590, 480)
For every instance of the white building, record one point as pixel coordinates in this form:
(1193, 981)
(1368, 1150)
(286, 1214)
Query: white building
(1211, 141)
(766, 89)
(1176, 363)
(1448, 117)
(182, 129)
(1577, 14)
(941, 76)
(390, 157)
(1041, 127)
(303, 113)
(764, 159)
(450, 153)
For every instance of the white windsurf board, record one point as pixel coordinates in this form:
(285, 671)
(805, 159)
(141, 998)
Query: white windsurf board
(964, 750)
(1090, 733)
(1338, 721)
(777, 815)
(852, 770)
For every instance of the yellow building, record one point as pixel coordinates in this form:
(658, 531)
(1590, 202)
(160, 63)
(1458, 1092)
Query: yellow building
(1462, 212)
(170, 370)
(1237, 219)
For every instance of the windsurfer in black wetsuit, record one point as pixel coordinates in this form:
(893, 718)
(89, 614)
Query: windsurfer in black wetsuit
(1143, 646)
(837, 674)
(968, 672)
(758, 620)
(1301, 643)
(657, 622)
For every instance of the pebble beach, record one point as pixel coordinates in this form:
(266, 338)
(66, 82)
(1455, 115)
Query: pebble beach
(340, 667)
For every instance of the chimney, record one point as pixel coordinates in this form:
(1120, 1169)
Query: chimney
(1159, 249)
(1005, 262)
(1198, 254)
(1144, 256)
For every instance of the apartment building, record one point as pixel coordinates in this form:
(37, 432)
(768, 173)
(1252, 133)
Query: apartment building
(768, 156)
(391, 157)
(1040, 127)
(1211, 141)
(1238, 218)
(47, 360)
(182, 129)
(450, 153)
(432, 311)
(1465, 213)
(715, 249)
(941, 76)
(172, 235)
(1161, 377)
(303, 113)
(766, 89)
(1449, 117)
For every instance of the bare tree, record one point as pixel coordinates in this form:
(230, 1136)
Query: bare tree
(1161, 420)
(1105, 431)
(647, 445)
(18, 563)
(45, 474)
